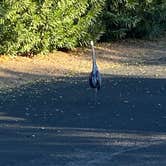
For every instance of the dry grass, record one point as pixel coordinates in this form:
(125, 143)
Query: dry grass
(58, 63)
(15, 71)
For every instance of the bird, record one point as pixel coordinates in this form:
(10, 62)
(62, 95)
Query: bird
(95, 76)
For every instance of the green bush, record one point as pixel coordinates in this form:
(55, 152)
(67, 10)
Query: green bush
(34, 26)
(134, 18)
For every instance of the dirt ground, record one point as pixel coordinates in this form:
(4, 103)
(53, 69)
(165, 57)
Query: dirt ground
(128, 58)
(55, 120)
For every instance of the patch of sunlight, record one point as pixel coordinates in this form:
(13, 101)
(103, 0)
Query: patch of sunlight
(4, 58)
(4, 117)
(92, 132)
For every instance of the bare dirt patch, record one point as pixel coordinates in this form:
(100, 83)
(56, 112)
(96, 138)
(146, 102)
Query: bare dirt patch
(131, 58)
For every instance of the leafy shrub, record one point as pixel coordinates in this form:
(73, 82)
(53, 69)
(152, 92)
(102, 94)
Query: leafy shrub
(33, 26)
(134, 18)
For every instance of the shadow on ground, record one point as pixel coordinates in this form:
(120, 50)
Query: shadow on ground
(132, 53)
(59, 123)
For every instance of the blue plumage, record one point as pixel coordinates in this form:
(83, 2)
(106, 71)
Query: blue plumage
(95, 80)
(95, 77)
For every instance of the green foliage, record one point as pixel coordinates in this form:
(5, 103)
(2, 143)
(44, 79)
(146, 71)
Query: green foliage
(33, 26)
(134, 18)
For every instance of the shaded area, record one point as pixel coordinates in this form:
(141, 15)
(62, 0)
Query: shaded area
(134, 56)
(58, 123)
(70, 102)
(135, 52)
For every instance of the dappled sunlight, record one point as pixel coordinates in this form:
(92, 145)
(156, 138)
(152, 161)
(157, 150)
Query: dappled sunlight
(89, 136)
(5, 117)
(8, 118)
(87, 145)
(133, 53)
